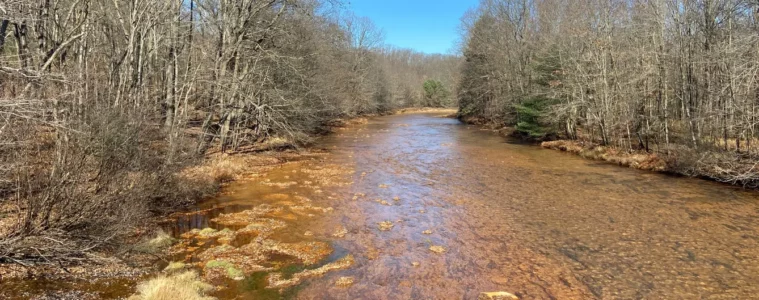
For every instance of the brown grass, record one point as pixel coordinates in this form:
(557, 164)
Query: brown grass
(186, 286)
(636, 160)
(220, 168)
(444, 112)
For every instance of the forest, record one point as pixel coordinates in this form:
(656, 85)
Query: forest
(104, 102)
(672, 78)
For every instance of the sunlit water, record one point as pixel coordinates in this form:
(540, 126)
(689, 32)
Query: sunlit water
(510, 217)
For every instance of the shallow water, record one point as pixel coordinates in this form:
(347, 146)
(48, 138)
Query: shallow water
(510, 217)
(537, 223)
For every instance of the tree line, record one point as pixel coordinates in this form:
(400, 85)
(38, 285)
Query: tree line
(677, 78)
(102, 102)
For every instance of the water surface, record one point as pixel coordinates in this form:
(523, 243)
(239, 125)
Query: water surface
(511, 217)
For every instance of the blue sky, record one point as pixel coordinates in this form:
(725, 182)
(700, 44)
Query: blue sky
(429, 26)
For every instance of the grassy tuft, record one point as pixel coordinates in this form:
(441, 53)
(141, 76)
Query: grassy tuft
(186, 286)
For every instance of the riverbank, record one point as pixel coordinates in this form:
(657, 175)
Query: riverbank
(637, 160)
(113, 272)
(145, 246)
(728, 167)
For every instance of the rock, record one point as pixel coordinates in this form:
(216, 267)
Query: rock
(386, 226)
(415, 264)
(437, 249)
(497, 296)
(396, 199)
(277, 280)
(308, 233)
(427, 231)
(499, 280)
(344, 282)
(340, 232)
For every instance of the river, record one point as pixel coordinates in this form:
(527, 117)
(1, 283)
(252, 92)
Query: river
(419, 206)
(507, 216)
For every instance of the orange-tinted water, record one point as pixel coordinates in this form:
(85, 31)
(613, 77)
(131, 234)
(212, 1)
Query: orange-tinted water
(538, 223)
(430, 208)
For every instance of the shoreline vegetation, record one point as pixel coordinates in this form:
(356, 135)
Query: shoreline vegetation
(665, 89)
(706, 166)
(148, 242)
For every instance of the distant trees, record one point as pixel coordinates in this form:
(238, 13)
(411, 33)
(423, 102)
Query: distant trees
(674, 77)
(409, 70)
(436, 94)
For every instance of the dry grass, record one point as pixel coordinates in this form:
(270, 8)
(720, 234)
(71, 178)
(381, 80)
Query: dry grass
(160, 242)
(341, 123)
(413, 110)
(9, 216)
(732, 144)
(636, 160)
(186, 286)
(220, 168)
(175, 267)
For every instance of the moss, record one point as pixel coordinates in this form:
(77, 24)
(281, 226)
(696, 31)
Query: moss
(232, 271)
(207, 232)
(174, 267)
(157, 244)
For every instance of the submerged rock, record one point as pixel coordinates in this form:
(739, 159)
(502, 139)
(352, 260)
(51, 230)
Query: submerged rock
(497, 296)
(386, 225)
(437, 249)
(340, 232)
(277, 280)
(245, 217)
(344, 281)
